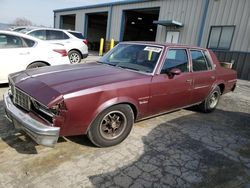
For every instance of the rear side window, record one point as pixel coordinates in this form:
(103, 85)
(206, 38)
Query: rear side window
(29, 43)
(56, 35)
(176, 58)
(199, 61)
(40, 34)
(77, 35)
(209, 61)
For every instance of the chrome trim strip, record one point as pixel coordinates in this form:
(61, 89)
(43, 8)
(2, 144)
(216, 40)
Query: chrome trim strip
(200, 87)
(234, 80)
(166, 112)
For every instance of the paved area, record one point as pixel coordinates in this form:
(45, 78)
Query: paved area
(182, 149)
(93, 56)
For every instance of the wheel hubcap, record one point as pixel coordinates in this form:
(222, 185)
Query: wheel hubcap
(213, 100)
(113, 125)
(74, 58)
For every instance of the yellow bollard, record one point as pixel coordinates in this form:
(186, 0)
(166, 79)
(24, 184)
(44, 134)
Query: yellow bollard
(112, 43)
(101, 47)
(150, 55)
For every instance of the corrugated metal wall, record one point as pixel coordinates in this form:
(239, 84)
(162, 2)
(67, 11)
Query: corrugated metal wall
(241, 62)
(230, 12)
(187, 12)
(80, 16)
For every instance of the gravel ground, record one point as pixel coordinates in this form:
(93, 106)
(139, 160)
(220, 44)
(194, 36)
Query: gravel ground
(181, 149)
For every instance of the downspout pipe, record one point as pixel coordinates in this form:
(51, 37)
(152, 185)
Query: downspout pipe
(110, 22)
(203, 21)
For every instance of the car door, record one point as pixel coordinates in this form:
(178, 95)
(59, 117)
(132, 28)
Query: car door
(203, 75)
(168, 91)
(14, 54)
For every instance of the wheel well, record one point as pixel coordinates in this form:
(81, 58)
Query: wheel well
(77, 51)
(38, 62)
(222, 87)
(133, 108)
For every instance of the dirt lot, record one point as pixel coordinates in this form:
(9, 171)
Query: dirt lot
(181, 149)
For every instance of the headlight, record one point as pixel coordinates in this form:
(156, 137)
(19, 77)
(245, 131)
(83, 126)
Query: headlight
(41, 108)
(54, 110)
(58, 107)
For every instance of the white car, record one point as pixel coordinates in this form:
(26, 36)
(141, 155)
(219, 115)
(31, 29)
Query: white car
(18, 28)
(74, 42)
(19, 52)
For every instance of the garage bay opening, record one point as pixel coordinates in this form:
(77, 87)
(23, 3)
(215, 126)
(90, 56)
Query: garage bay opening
(96, 29)
(138, 24)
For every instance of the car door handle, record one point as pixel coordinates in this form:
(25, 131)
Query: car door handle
(24, 53)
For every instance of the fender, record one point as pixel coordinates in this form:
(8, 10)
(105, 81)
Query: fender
(112, 102)
(216, 83)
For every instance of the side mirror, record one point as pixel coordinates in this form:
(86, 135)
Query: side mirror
(175, 71)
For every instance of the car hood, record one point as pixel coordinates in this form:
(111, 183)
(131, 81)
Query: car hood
(49, 84)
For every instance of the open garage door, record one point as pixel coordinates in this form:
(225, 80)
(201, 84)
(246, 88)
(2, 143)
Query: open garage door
(139, 26)
(96, 29)
(68, 22)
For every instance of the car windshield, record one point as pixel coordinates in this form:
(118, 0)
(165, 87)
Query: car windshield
(138, 57)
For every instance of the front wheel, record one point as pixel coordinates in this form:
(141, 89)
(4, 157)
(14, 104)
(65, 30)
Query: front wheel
(112, 126)
(211, 102)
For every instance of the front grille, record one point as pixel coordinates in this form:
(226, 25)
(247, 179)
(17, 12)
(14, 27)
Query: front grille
(21, 99)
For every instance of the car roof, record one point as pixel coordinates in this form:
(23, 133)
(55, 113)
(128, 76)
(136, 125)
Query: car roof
(20, 35)
(28, 29)
(164, 44)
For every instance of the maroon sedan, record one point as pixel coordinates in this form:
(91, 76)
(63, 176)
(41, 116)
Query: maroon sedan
(103, 99)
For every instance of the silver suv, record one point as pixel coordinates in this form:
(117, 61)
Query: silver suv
(73, 41)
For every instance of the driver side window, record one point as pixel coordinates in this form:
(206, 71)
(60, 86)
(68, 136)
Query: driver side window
(176, 58)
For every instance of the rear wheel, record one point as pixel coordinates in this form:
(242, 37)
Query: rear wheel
(74, 57)
(112, 126)
(211, 102)
(36, 65)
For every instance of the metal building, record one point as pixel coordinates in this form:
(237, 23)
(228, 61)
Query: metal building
(221, 25)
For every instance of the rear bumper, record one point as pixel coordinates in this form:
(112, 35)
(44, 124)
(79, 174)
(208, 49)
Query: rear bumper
(84, 56)
(43, 134)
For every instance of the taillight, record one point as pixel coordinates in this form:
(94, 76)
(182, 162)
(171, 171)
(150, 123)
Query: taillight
(85, 41)
(62, 52)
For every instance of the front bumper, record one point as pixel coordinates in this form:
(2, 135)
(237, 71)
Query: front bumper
(42, 133)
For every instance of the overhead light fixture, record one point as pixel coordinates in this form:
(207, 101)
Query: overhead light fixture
(139, 18)
(133, 23)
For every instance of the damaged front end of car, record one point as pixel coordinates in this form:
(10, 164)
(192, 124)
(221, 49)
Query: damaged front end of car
(41, 122)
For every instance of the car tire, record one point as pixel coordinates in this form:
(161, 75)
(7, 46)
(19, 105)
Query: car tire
(211, 102)
(36, 65)
(111, 126)
(74, 57)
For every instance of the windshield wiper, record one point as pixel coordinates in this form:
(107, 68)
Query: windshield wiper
(128, 68)
(105, 63)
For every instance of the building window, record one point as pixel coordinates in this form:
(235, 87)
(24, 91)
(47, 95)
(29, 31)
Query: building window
(220, 37)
